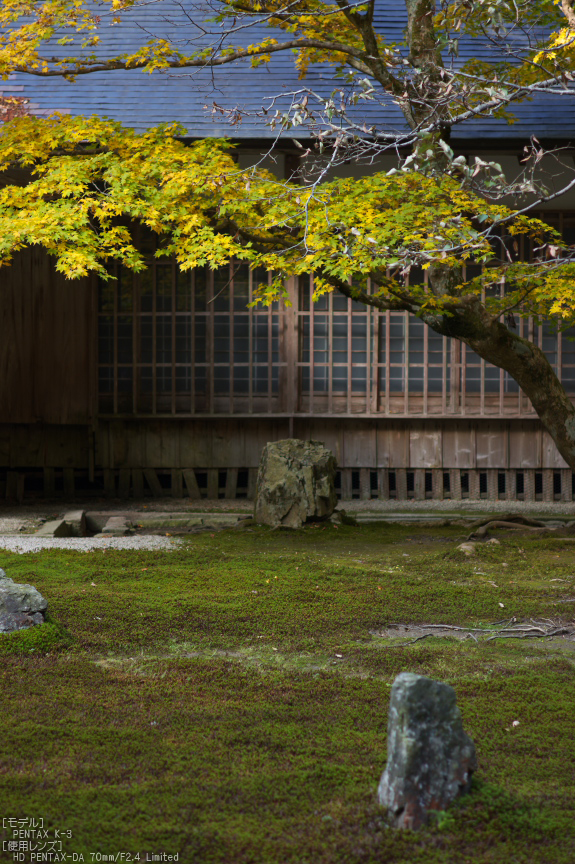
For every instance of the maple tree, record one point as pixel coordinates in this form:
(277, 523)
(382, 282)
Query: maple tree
(400, 239)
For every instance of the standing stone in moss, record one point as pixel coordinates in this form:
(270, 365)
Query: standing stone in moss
(21, 606)
(430, 758)
(296, 483)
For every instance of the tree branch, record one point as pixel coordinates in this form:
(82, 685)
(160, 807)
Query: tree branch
(86, 68)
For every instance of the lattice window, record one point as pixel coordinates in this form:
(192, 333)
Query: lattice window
(187, 343)
(182, 343)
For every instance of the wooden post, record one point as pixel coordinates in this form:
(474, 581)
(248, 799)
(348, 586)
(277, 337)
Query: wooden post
(474, 484)
(455, 477)
(49, 483)
(109, 482)
(346, 488)
(547, 484)
(419, 484)
(124, 483)
(510, 485)
(492, 482)
(437, 483)
(69, 486)
(252, 483)
(400, 484)
(365, 484)
(138, 483)
(383, 483)
(529, 484)
(566, 484)
(231, 482)
(213, 484)
(177, 484)
(15, 486)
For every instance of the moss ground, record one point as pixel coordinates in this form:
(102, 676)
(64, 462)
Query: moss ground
(227, 702)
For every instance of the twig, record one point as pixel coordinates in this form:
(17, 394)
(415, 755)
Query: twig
(453, 627)
(419, 638)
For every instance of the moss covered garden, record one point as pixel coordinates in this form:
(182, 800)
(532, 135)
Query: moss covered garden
(227, 701)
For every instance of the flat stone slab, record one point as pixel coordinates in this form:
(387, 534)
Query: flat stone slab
(154, 521)
(118, 526)
(55, 528)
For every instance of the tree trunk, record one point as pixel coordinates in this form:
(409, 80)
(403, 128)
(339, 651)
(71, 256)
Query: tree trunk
(524, 361)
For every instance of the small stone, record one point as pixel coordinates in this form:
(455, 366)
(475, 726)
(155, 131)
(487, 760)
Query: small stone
(21, 606)
(55, 528)
(296, 484)
(493, 541)
(467, 548)
(430, 758)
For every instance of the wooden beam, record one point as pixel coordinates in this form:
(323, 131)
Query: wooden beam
(153, 482)
(191, 483)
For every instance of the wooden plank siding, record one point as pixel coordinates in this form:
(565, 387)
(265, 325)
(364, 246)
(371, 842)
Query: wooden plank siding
(47, 350)
(190, 384)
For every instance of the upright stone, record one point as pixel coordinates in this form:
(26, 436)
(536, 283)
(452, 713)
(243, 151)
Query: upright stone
(21, 606)
(76, 519)
(296, 483)
(430, 758)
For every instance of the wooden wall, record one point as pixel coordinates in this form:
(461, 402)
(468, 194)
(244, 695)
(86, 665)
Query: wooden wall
(237, 443)
(47, 351)
(49, 416)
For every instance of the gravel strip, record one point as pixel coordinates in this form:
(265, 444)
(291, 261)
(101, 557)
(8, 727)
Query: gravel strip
(466, 505)
(30, 543)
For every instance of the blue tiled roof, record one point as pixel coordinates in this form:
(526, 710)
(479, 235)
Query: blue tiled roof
(140, 100)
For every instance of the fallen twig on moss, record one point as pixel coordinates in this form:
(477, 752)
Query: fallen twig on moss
(522, 630)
